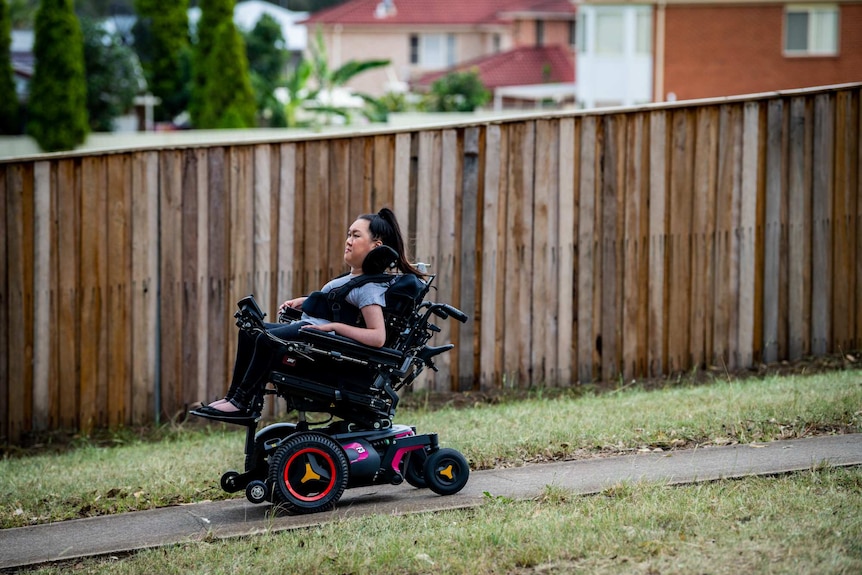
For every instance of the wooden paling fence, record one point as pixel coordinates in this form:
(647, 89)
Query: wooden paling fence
(592, 245)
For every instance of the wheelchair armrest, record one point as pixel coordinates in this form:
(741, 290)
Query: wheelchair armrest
(336, 345)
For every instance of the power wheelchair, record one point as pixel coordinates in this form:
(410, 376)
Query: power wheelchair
(304, 467)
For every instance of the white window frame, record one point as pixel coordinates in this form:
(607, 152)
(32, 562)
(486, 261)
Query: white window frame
(816, 45)
(443, 47)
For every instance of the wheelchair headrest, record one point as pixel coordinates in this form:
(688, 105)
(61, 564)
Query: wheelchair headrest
(379, 260)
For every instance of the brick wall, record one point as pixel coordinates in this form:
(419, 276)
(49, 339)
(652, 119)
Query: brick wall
(721, 51)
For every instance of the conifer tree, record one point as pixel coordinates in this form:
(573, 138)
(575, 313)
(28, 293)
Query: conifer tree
(222, 96)
(10, 123)
(58, 92)
(163, 47)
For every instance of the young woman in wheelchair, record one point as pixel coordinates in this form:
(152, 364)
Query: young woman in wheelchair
(256, 354)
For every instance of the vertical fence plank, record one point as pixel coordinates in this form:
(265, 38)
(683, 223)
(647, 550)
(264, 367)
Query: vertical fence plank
(192, 340)
(201, 279)
(171, 288)
(587, 270)
(145, 218)
(703, 233)
(119, 264)
(857, 222)
(428, 218)
(42, 284)
(799, 231)
(5, 325)
(775, 184)
(286, 267)
(19, 281)
(446, 233)
(635, 265)
(658, 197)
(262, 202)
(751, 160)
(612, 210)
(222, 336)
(821, 231)
(519, 261)
(384, 155)
(544, 276)
(566, 282)
(492, 253)
(339, 189)
(468, 343)
(67, 326)
(93, 272)
(843, 238)
(727, 217)
(401, 182)
(679, 253)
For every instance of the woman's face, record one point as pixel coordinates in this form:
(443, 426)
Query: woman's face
(358, 244)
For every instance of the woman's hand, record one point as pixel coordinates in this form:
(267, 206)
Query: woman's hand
(294, 303)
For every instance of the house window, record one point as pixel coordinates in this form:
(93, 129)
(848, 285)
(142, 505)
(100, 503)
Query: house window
(497, 43)
(414, 49)
(432, 50)
(609, 33)
(573, 35)
(643, 32)
(540, 32)
(811, 30)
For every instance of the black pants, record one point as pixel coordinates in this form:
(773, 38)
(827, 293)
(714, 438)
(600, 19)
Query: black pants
(255, 356)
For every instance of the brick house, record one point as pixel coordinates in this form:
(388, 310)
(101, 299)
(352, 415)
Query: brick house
(630, 53)
(510, 42)
(750, 47)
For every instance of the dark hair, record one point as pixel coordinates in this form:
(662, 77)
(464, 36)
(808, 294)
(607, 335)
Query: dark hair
(384, 226)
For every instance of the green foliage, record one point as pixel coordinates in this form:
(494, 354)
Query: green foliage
(458, 92)
(58, 91)
(222, 95)
(112, 78)
(162, 44)
(21, 13)
(10, 122)
(328, 80)
(267, 58)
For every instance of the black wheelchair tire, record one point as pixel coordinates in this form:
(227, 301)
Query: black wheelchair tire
(446, 471)
(414, 470)
(308, 473)
(228, 482)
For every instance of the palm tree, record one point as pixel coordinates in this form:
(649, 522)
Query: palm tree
(328, 80)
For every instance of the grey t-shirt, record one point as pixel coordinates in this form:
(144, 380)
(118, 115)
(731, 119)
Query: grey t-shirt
(365, 295)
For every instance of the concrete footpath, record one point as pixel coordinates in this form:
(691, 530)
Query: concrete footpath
(237, 517)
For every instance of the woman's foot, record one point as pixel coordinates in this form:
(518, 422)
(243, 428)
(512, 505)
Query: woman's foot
(225, 406)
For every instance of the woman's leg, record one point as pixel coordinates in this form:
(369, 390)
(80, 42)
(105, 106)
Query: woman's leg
(255, 356)
(244, 353)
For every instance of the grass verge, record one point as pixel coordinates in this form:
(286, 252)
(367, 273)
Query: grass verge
(798, 523)
(186, 464)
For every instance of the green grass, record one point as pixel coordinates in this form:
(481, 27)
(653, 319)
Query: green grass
(185, 465)
(798, 523)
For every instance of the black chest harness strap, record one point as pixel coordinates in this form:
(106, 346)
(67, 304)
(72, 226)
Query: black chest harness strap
(333, 305)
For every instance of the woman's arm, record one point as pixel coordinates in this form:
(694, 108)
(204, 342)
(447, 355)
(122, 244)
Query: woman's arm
(374, 334)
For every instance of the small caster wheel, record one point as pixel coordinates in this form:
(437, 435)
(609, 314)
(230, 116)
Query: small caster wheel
(446, 471)
(257, 491)
(229, 483)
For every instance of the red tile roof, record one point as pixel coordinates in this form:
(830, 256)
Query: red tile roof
(519, 67)
(436, 11)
